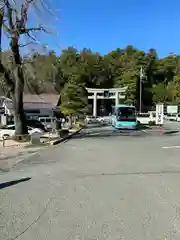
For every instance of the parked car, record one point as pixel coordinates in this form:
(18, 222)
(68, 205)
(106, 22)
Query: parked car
(34, 124)
(171, 116)
(143, 118)
(100, 119)
(92, 119)
(48, 122)
(147, 118)
(9, 131)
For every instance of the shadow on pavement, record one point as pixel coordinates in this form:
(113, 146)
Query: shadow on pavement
(11, 183)
(142, 131)
(108, 133)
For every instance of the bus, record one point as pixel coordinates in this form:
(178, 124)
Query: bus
(124, 117)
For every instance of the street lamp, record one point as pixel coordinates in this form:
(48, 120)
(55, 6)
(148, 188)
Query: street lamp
(142, 76)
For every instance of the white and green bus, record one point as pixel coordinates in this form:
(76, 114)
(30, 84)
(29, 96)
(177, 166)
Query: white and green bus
(124, 117)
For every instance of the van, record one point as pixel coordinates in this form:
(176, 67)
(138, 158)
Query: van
(49, 122)
(143, 118)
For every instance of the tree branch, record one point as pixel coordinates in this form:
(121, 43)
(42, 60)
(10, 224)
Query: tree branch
(27, 30)
(9, 14)
(24, 13)
(33, 38)
(25, 45)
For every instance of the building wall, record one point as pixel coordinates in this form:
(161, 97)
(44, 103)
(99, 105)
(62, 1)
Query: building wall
(35, 113)
(30, 113)
(33, 110)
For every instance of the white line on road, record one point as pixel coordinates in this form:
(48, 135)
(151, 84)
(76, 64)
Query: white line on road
(169, 147)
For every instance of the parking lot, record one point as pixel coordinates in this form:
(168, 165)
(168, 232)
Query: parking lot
(102, 184)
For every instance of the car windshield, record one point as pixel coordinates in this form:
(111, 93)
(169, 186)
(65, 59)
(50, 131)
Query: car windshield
(146, 115)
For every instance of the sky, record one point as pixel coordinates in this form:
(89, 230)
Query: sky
(104, 25)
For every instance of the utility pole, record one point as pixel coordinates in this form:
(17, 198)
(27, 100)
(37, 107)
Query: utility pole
(140, 90)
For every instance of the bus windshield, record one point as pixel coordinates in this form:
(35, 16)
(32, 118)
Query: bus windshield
(126, 113)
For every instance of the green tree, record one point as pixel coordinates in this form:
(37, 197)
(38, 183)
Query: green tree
(160, 94)
(74, 99)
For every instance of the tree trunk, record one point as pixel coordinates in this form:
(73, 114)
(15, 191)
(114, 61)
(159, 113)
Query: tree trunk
(19, 115)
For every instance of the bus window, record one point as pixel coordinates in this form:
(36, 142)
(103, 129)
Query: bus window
(126, 112)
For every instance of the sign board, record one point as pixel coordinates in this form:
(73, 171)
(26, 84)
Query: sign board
(172, 109)
(159, 114)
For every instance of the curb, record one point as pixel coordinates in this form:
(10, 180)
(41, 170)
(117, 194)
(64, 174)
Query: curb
(67, 137)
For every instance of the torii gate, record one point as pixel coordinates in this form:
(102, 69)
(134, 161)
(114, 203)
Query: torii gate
(105, 93)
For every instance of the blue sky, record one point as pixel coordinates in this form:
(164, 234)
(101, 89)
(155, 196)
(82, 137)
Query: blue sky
(104, 25)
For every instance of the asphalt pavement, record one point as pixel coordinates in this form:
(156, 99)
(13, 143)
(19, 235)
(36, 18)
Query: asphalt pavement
(95, 186)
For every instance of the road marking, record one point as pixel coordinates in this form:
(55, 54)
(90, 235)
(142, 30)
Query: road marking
(169, 147)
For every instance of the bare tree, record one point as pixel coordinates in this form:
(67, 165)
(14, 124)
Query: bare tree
(6, 77)
(15, 24)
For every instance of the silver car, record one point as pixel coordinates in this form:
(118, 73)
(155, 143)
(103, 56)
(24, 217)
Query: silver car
(92, 119)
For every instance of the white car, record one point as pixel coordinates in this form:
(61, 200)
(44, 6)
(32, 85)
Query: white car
(143, 118)
(92, 119)
(9, 131)
(171, 117)
(100, 119)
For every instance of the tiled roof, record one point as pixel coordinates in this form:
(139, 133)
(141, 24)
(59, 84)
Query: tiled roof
(42, 98)
(30, 105)
(32, 101)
